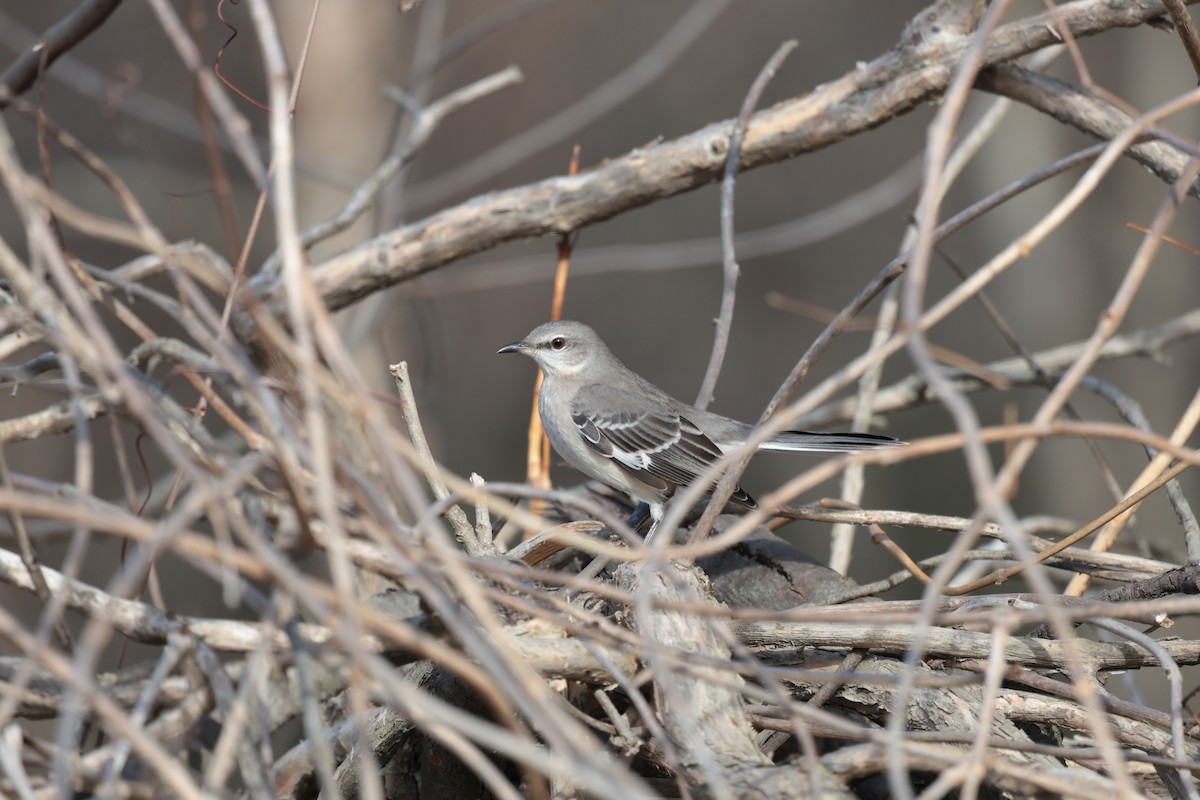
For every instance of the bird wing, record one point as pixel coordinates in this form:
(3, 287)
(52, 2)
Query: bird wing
(657, 446)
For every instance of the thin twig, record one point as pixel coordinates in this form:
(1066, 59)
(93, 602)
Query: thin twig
(426, 121)
(1132, 412)
(766, 425)
(456, 516)
(730, 268)
(537, 452)
(563, 123)
(32, 564)
(235, 126)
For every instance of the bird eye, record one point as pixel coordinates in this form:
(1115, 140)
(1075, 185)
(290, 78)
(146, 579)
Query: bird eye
(558, 343)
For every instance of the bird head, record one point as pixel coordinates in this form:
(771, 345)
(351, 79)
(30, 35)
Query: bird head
(560, 348)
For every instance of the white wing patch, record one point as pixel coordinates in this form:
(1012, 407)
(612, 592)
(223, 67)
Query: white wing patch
(642, 459)
(663, 450)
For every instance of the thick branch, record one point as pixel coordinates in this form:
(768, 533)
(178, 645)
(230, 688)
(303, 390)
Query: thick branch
(62, 36)
(779, 638)
(916, 70)
(1081, 110)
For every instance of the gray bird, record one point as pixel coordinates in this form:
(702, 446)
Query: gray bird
(615, 426)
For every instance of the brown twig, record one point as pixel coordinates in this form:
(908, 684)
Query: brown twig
(235, 126)
(537, 463)
(880, 537)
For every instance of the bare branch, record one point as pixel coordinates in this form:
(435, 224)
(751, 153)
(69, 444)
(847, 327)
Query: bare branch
(60, 38)
(1087, 113)
(863, 99)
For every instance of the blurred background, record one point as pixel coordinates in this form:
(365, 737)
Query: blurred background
(612, 76)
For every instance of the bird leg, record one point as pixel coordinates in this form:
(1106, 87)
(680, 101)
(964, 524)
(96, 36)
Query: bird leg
(639, 516)
(656, 514)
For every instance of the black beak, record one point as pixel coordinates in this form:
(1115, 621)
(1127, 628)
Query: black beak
(515, 347)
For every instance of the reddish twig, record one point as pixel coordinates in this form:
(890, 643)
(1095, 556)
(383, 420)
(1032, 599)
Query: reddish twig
(233, 32)
(538, 458)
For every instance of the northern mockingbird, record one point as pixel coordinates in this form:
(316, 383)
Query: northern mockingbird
(615, 426)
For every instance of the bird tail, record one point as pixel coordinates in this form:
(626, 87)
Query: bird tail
(821, 442)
